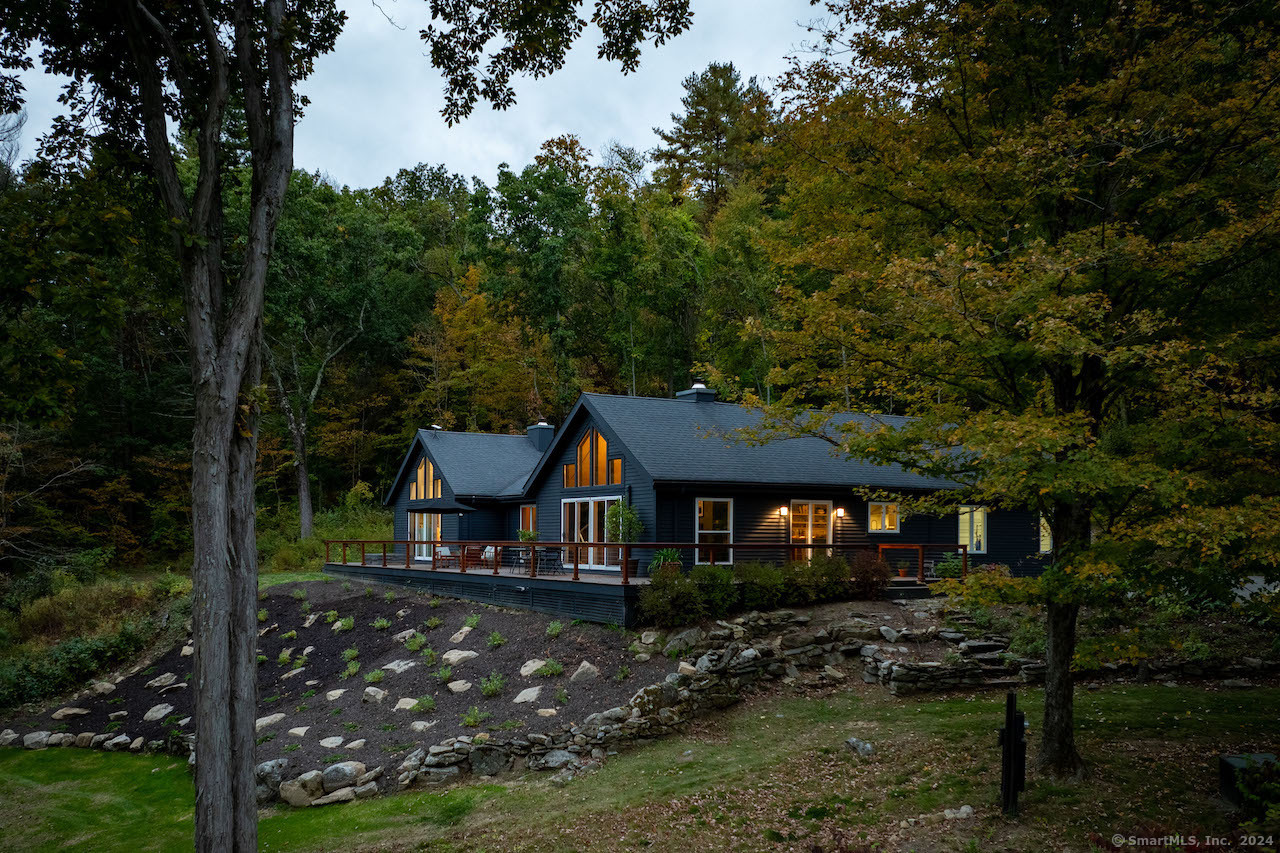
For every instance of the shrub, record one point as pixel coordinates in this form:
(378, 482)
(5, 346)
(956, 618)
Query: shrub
(300, 661)
(375, 676)
(69, 664)
(948, 567)
(429, 656)
(492, 684)
(671, 598)
(550, 668)
(868, 576)
(623, 673)
(622, 523)
(350, 654)
(433, 603)
(353, 667)
(444, 673)
(330, 617)
(822, 577)
(554, 628)
(415, 642)
(562, 696)
(432, 623)
(472, 621)
(715, 583)
(496, 640)
(475, 717)
(664, 557)
(380, 624)
(306, 609)
(345, 624)
(389, 597)
(299, 593)
(424, 705)
(283, 658)
(262, 615)
(760, 585)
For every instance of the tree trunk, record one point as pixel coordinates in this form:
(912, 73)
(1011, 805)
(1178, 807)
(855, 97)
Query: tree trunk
(1058, 756)
(306, 514)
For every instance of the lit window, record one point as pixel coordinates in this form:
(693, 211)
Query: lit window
(1046, 536)
(973, 528)
(570, 478)
(715, 525)
(425, 484)
(591, 466)
(615, 472)
(529, 517)
(882, 517)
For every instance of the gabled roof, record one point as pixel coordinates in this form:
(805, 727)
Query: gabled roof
(476, 464)
(686, 441)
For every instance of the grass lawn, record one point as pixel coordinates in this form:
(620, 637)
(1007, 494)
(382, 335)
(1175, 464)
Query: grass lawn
(771, 774)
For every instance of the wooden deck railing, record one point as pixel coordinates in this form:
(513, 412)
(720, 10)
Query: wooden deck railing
(555, 557)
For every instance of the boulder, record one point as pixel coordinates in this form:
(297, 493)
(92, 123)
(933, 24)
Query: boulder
(136, 746)
(461, 635)
(488, 761)
(962, 813)
(366, 790)
(299, 731)
(98, 740)
(162, 680)
(546, 712)
(374, 694)
(262, 722)
(343, 774)
(586, 671)
(294, 794)
(312, 782)
(331, 742)
(650, 638)
(453, 657)
(888, 633)
(406, 704)
(63, 713)
(117, 743)
(686, 668)
(399, 666)
(188, 651)
(557, 758)
(419, 726)
(334, 694)
(83, 740)
(358, 743)
(117, 715)
(369, 776)
(269, 775)
(529, 694)
(438, 775)
(101, 688)
(683, 641)
(158, 712)
(8, 737)
(860, 746)
(529, 667)
(459, 686)
(291, 673)
(404, 635)
(36, 740)
(342, 795)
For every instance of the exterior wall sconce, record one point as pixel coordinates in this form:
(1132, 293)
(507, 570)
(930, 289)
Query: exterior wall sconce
(839, 512)
(782, 511)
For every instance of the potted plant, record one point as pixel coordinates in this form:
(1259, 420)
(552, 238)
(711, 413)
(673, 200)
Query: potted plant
(665, 558)
(622, 523)
(527, 535)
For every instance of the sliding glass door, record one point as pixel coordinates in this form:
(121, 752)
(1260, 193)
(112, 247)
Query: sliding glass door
(423, 527)
(583, 521)
(810, 525)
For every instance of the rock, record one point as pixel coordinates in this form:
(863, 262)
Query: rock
(342, 795)
(291, 673)
(300, 731)
(83, 740)
(188, 651)
(373, 694)
(402, 612)
(683, 641)
(158, 712)
(557, 758)
(686, 668)
(399, 666)
(162, 680)
(101, 688)
(650, 638)
(269, 776)
(529, 667)
(356, 744)
(585, 672)
(294, 794)
(36, 740)
(1237, 682)
(860, 746)
(366, 790)
(438, 775)
(184, 721)
(546, 712)
(342, 774)
(832, 672)
(420, 726)
(369, 776)
(310, 620)
(951, 636)
(307, 653)
(488, 761)
(63, 713)
(406, 704)
(331, 742)
(453, 657)
(642, 657)
(312, 782)
(461, 635)
(888, 633)
(404, 635)
(117, 743)
(98, 740)
(262, 722)
(459, 686)
(962, 813)
(529, 694)
(179, 686)
(334, 694)
(977, 647)
(1252, 663)
(117, 715)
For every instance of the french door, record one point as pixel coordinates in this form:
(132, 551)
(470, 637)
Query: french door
(423, 527)
(810, 525)
(583, 521)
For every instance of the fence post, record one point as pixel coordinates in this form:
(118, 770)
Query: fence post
(344, 553)
(626, 565)
(576, 560)
(920, 556)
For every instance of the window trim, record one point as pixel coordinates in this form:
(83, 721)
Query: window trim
(698, 531)
(969, 510)
(882, 531)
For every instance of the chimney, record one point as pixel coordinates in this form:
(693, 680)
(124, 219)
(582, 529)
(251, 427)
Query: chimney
(541, 434)
(699, 393)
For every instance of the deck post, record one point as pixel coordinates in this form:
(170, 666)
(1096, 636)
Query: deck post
(711, 555)
(576, 551)
(363, 556)
(626, 564)
(327, 544)
(408, 550)
(462, 559)
(344, 553)
(497, 558)
(533, 561)
(964, 561)
(384, 555)
(920, 558)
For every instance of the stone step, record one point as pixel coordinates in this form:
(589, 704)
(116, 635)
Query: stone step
(1002, 682)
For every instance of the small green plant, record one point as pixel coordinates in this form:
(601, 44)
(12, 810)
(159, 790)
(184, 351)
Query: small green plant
(472, 621)
(345, 624)
(114, 725)
(415, 642)
(380, 624)
(353, 667)
(262, 615)
(492, 684)
(368, 592)
(330, 617)
(388, 727)
(334, 759)
(270, 736)
(433, 603)
(444, 673)
(554, 627)
(300, 661)
(475, 717)
(272, 699)
(301, 708)
(623, 673)
(351, 653)
(299, 593)
(284, 657)
(309, 693)
(375, 676)
(496, 640)
(289, 635)
(389, 597)
(336, 712)
(262, 658)
(424, 705)
(306, 607)
(562, 696)
(433, 623)
(346, 586)
(550, 668)
(293, 747)
(429, 656)
(507, 726)
(351, 727)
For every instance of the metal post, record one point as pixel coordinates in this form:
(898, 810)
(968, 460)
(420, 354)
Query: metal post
(1013, 755)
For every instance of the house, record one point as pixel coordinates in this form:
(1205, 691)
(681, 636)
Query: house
(462, 500)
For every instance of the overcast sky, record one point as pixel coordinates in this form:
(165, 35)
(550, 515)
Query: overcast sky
(375, 101)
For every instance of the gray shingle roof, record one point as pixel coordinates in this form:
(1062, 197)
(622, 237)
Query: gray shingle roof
(476, 463)
(684, 441)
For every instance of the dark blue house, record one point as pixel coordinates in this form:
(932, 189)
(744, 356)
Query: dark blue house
(462, 500)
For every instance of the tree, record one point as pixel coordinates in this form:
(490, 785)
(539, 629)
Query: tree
(1044, 231)
(132, 67)
(707, 149)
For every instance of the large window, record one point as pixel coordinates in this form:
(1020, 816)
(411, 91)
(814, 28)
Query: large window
(425, 483)
(882, 517)
(714, 527)
(529, 517)
(592, 465)
(973, 528)
(1046, 536)
(424, 527)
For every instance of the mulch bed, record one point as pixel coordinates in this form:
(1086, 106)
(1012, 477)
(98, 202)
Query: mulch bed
(387, 733)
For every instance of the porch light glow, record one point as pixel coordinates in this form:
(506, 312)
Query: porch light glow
(782, 511)
(839, 512)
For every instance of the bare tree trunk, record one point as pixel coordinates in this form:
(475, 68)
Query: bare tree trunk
(306, 513)
(1058, 755)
